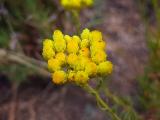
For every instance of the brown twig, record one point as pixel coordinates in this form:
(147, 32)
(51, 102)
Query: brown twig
(36, 65)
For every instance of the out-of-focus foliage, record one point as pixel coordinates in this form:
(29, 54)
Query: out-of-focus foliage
(17, 73)
(150, 82)
(4, 38)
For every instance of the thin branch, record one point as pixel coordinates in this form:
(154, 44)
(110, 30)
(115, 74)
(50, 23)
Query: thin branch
(36, 65)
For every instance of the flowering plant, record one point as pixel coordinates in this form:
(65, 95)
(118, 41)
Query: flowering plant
(76, 59)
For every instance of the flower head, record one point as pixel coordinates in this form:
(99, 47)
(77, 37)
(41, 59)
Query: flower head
(76, 59)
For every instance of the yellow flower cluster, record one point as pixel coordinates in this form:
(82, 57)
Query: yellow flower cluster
(76, 4)
(76, 59)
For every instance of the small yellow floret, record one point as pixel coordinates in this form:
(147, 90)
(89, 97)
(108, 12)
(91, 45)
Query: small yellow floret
(61, 57)
(84, 52)
(84, 43)
(53, 65)
(98, 45)
(76, 38)
(95, 36)
(59, 77)
(105, 68)
(87, 2)
(68, 38)
(72, 47)
(81, 63)
(72, 59)
(99, 56)
(91, 68)
(71, 76)
(81, 77)
(48, 43)
(85, 34)
(57, 34)
(48, 53)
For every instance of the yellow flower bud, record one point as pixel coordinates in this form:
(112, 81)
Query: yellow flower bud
(59, 77)
(99, 56)
(61, 57)
(71, 4)
(57, 35)
(105, 68)
(95, 36)
(84, 52)
(81, 77)
(53, 65)
(60, 45)
(84, 43)
(81, 63)
(98, 45)
(85, 34)
(72, 47)
(91, 68)
(72, 59)
(71, 76)
(48, 52)
(48, 43)
(68, 38)
(76, 38)
(87, 2)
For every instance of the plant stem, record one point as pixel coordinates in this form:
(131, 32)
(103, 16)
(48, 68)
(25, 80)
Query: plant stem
(76, 20)
(103, 104)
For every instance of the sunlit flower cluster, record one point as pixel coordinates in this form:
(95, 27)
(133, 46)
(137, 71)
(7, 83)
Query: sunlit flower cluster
(76, 59)
(76, 4)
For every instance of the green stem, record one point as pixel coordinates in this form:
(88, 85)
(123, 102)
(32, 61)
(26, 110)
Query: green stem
(76, 20)
(103, 104)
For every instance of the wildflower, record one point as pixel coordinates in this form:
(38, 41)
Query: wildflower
(59, 77)
(81, 77)
(105, 68)
(53, 65)
(81, 57)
